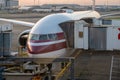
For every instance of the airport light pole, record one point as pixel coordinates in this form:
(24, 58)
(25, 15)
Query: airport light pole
(38, 2)
(93, 6)
(107, 4)
(34, 2)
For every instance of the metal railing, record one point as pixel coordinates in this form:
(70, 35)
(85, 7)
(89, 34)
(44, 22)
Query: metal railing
(115, 68)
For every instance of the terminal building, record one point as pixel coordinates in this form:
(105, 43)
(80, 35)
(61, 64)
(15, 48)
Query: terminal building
(7, 4)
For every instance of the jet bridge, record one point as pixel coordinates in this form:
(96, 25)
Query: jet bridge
(92, 33)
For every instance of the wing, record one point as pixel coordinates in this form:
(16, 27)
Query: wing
(29, 24)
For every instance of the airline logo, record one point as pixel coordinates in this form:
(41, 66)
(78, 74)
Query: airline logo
(119, 34)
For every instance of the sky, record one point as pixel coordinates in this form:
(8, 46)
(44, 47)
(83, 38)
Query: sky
(81, 2)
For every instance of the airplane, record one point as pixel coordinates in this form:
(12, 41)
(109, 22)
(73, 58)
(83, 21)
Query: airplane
(46, 38)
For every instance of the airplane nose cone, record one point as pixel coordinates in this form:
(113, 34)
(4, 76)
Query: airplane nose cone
(31, 49)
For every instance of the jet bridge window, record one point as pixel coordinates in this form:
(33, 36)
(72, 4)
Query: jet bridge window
(106, 22)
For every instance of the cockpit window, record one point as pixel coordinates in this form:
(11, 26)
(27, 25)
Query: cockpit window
(43, 37)
(52, 36)
(34, 37)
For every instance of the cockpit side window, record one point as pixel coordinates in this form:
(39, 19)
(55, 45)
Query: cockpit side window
(52, 36)
(34, 37)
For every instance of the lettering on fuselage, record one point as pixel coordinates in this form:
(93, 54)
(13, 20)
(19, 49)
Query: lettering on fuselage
(119, 34)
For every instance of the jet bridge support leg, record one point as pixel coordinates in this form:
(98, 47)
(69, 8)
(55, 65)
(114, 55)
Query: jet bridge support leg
(1, 71)
(72, 69)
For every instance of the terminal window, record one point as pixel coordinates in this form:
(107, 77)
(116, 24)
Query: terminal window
(106, 22)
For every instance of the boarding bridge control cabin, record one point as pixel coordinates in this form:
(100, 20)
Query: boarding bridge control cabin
(5, 39)
(94, 34)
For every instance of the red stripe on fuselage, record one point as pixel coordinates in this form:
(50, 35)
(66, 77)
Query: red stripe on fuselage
(46, 48)
(60, 36)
